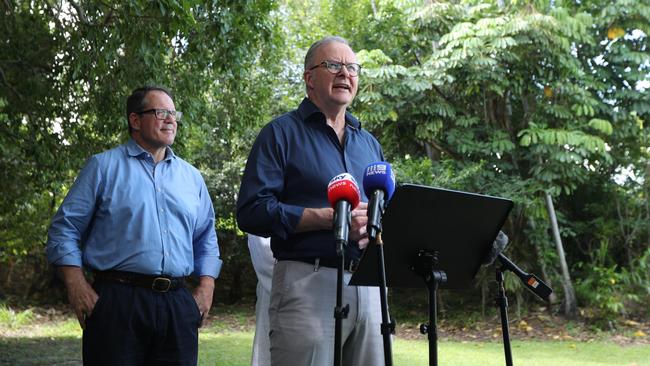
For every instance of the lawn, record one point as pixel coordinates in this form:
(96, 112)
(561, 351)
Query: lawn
(59, 343)
(233, 349)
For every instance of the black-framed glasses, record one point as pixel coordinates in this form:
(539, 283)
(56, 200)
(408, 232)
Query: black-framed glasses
(335, 67)
(164, 113)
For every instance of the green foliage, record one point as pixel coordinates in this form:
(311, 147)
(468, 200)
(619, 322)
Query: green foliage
(67, 68)
(527, 93)
(11, 319)
(513, 99)
(610, 290)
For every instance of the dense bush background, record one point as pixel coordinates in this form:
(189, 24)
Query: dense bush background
(542, 102)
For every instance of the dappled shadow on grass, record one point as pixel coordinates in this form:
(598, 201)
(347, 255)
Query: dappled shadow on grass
(216, 348)
(33, 351)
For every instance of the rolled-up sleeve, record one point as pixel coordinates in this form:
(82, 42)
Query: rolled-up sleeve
(71, 221)
(204, 239)
(260, 210)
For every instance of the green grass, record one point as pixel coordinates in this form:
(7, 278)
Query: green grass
(225, 349)
(59, 343)
(233, 349)
(548, 353)
(11, 319)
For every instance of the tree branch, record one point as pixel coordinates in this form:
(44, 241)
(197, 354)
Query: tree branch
(3, 80)
(80, 12)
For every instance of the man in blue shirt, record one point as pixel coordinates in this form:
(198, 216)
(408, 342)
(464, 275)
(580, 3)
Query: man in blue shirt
(142, 220)
(284, 196)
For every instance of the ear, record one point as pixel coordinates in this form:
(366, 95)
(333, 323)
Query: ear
(308, 76)
(134, 121)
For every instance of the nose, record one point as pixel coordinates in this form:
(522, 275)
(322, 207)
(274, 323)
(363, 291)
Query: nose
(170, 118)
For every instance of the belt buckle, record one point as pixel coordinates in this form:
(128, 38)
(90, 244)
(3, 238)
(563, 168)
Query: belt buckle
(352, 266)
(161, 284)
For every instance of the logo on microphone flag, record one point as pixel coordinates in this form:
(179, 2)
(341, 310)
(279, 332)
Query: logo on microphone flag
(376, 169)
(343, 187)
(342, 180)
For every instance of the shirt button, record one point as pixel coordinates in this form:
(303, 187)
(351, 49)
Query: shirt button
(162, 210)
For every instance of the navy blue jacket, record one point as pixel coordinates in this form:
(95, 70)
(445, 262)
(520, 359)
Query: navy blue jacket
(290, 164)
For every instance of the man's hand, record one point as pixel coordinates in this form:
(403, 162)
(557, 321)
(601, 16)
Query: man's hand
(81, 296)
(315, 219)
(322, 218)
(358, 229)
(203, 295)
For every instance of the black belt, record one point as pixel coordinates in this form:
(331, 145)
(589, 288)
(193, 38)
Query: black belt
(350, 264)
(158, 283)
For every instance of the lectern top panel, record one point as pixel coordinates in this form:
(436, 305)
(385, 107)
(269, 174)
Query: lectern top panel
(460, 226)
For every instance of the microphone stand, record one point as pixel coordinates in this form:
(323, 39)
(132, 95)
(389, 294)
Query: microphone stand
(424, 265)
(340, 312)
(502, 302)
(374, 234)
(530, 281)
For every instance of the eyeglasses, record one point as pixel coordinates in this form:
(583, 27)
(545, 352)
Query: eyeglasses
(164, 113)
(335, 67)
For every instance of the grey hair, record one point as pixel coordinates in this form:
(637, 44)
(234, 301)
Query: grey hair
(316, 45)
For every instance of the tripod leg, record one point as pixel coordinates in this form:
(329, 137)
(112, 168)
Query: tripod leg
(433, 325)
(431, 329)
(502, 302)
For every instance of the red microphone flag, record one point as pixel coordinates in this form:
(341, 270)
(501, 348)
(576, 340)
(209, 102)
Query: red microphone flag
(343, 187)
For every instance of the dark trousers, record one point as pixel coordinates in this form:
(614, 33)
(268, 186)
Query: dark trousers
(137, 326)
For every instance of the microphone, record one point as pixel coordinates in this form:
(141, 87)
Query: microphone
(531, 281)
(498, 246)
(343, 195)
(379, 186)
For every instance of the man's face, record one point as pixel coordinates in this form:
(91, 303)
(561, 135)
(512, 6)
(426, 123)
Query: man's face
(327, 89)
(155, 133)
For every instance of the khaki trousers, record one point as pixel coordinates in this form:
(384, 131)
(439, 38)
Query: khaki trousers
(302, 322)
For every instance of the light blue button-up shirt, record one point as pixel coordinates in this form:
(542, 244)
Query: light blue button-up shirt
(127, 213)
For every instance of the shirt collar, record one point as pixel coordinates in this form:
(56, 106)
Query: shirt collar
(136, 150)
(308, 111)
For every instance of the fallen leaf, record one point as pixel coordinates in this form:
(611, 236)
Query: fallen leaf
(639, 333)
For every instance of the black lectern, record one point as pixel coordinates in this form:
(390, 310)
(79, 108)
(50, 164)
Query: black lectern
(437, 235)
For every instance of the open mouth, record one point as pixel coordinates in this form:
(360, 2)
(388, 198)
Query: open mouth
(342, 87)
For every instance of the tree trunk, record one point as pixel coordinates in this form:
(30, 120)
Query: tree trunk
(540, 257)
(570, 306)
(647, 198)
(374, 8)
(484, 294)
